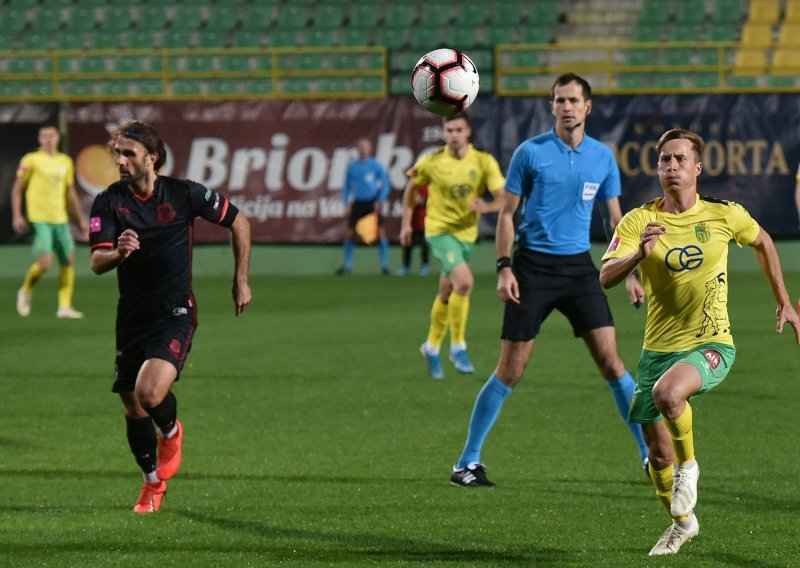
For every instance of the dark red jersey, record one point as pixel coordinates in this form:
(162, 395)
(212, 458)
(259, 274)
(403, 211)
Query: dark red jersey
(156, 279)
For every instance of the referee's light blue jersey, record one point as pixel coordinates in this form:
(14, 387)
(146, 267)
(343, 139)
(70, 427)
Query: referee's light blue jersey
(558, 186)
(366, 180)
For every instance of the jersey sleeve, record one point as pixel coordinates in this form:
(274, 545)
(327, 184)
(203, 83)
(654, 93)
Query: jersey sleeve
(495, 180)
(211, 205)
(25, 167)
(520, 174)
(745, 229)
(419, 171)
(626, 237)
(103, 230)
(70, 176)
(611, 186)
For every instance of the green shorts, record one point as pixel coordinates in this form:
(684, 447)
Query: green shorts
(52, 237)
(450, 251)
(712, 360)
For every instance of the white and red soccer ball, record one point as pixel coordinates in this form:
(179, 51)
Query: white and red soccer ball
(445, 81)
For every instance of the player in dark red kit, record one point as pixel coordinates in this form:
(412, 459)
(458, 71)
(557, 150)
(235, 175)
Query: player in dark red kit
(142, 226)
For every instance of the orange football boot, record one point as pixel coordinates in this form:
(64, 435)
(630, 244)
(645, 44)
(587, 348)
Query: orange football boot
(150, 498)
(169, 453)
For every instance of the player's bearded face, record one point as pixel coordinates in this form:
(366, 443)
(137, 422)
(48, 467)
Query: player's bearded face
(678, 166)
(132, 160)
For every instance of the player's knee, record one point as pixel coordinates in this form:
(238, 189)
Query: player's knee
(667, 400)
(148, 398)
(45, 263)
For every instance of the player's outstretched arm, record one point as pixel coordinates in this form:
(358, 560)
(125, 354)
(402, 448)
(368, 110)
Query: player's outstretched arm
(611, 212)
(767, 257)
(240, 236)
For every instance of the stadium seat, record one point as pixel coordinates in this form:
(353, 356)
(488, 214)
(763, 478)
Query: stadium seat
(764, 12)
(722, 31)
(317, 37)
(222, 17)
(515, 82)
(743, 81)
(283, 38)
(704, 80)
(177, 39)
(756, 35)
(354, 37)
(392, 38)
(654, 12)
(365, 15)
(259, 86)
(789, 35)
(436, 13)
(399, 15)
(81, 19)
(257, 17)
(153, 17)
(471, 14)
(641, 57)
(782, 81)
(14, 20)
(368, 85)
(466, 37)
(683, 33)
(543, 13)
(187, 87)
(496, 35)
(329, 16)
(727, 11)
(35, 41)
(7, 41)
(506, 14)
(632, 81)
(677, 56)
(294, 16)
(188, 17)
(647, 33)
(47, 20)
(215, 39)
(403, 60)
(689, 12)
(144, 39)
(335, 85)
(246, 38)
(785, 61)
(523, 59)
(668, 81)
(400, 84)
(117, 18)
(535, 34)
(749, 61)
(484, 60)
(708, 56)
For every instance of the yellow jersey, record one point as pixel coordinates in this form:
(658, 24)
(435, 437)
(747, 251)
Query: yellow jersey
(685, 277)
(452, 185)
(47, 178)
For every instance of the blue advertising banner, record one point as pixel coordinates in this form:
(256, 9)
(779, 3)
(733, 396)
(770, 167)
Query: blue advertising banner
(752, 144)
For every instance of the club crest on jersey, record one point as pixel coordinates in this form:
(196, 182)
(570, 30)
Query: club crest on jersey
(175, 347)
(702, 233)
(712, 357)
(165, 213)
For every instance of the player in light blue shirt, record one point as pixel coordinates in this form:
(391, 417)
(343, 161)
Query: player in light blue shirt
(367, 184)
(555, 179)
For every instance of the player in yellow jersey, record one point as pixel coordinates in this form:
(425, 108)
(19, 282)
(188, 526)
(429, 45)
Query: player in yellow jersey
(45, 179)
(680, 243)
(458, 177)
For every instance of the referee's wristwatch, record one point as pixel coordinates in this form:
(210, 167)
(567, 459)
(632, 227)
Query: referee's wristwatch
(503, 262)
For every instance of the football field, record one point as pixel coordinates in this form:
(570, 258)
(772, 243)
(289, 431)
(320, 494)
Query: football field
(315, 438)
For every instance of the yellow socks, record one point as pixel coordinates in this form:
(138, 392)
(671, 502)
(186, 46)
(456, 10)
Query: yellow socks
(32, 277)
(662, 480)
(66, 286)
(438, 322)
(680, 430)
(457, 314)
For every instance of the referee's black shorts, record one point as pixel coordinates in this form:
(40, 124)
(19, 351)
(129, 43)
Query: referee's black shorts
(362, 209)
(567, 283)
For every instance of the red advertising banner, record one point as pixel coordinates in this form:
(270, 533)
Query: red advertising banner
(281, 162)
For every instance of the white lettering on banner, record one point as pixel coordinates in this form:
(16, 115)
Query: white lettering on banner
(312, 160)
(261, 208)
(208, 155)
(302, 209)
(214, 164)
(264, 207)
(331, 207)
(244, 161)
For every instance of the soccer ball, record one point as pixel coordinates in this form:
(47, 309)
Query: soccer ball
(445, 81)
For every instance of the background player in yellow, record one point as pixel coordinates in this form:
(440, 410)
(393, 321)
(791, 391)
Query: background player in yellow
(680, 242)
(46, 180)
(458, 177)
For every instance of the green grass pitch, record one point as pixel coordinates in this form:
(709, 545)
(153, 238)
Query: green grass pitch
(315, 438)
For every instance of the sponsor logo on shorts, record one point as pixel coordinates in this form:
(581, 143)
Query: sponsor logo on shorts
(175, 347)
(712, 357)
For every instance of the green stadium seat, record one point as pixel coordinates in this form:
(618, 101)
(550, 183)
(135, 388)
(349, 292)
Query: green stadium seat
(47, 20)
(335, 85)
(683, 33)
(354, 37)
(496, 35)
(105, 40)
(40, 88)
(543, 13)
(404, 60)
(78, 88)
(14, 20)
(343, 61)
(668, 81)
(471, 14)
(6, 42)
(259, 86)
(647, 33)
(365, 15)
(721, 32)
(400, 84)
(369, 85)
(215, 39)
(654, 12)
(144, 40)
(222, 17)
(400, 15)
(436, 14)
(149, 88)
(224, 86)
(29, 65)
(677, 56)
(67, 40)
(506, 14)
(316, 37)
(258, 17)
(707, 56)
(188, 87)
(329, 16)
(294, 16)
(483, 59)
(81, 19)
(781, 81)
(523, 59)
(535, 34)
(428, 38)
(11, 88)
(743, 81)
(117, 18)
(153, 17)
(177, 39)
(283, 38)
(187, 17)
(466, 37)
(246, 38)
(34, 41)
(632, 81)
(641, 57)
(690, 12)
(727, 11)
(392, 38)
(515, 82)
(704, 80)
(298, 85)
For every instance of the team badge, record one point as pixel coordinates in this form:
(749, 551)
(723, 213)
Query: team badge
(165, 213)
(712, 357)
(702, 233)
(175, 347)
(95, 225)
